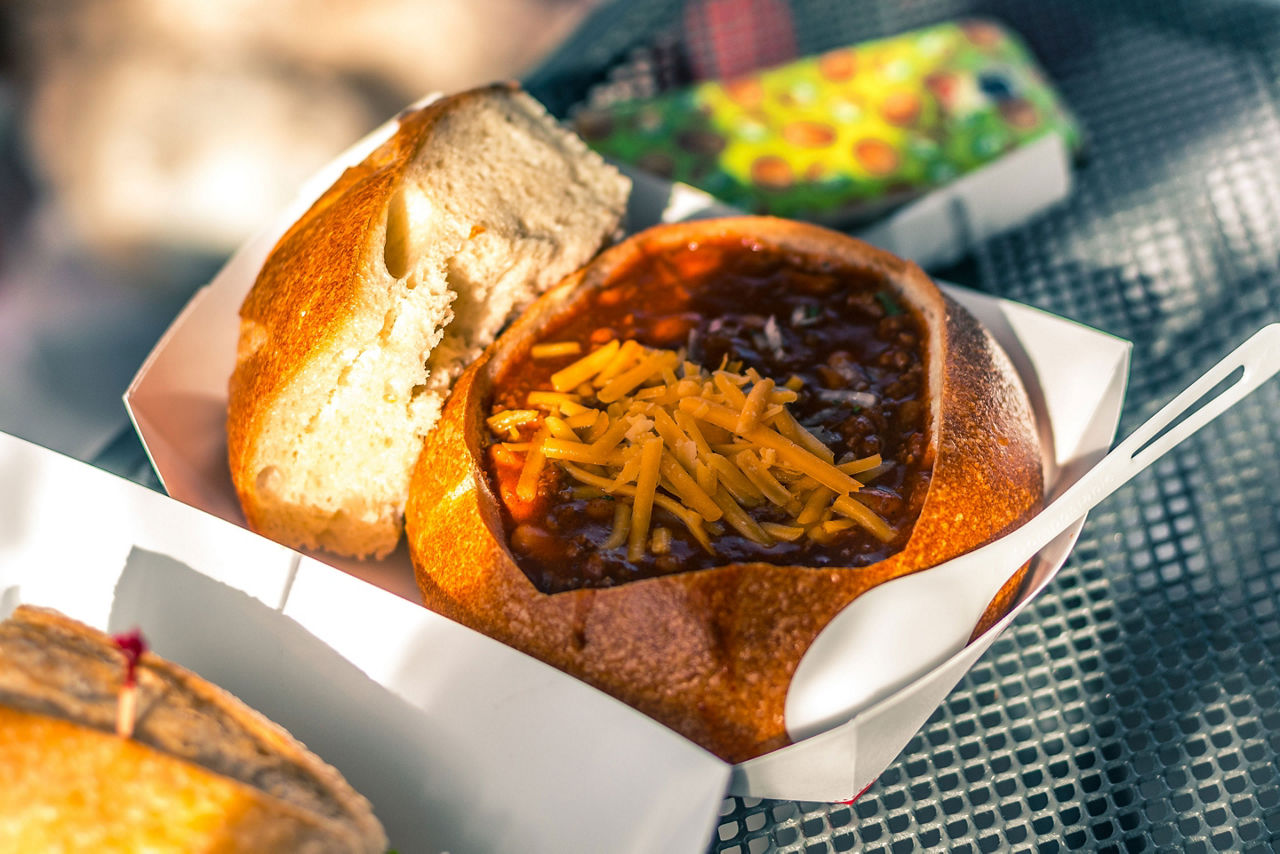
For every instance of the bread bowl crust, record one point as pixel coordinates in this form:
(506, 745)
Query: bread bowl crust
(710, 653)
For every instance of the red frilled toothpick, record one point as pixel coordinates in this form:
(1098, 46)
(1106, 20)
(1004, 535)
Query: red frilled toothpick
(133, 646)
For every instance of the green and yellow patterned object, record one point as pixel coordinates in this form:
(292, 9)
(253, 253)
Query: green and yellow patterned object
(841, 136)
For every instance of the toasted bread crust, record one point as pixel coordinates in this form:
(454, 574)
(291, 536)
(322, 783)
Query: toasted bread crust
(337, 373)
(710, 653)
(304, 301)
(223, 754)
(66, 787)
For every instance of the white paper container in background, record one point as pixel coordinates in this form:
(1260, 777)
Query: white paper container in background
(1076, 377)
(936, 229)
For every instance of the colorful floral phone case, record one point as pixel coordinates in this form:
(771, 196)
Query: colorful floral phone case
(843, 136)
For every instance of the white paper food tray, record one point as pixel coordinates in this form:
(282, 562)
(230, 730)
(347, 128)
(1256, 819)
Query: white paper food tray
(460, 745)
(933, 230)
(1076, 377)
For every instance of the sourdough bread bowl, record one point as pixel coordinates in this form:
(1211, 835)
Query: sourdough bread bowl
(200, 772)
(706, 642)
(383, 291)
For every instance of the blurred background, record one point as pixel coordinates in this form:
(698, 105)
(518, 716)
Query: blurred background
(142, 140)
(1134, 706)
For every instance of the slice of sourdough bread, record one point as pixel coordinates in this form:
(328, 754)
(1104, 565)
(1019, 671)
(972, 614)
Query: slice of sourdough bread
(375, 300)
(201, 771)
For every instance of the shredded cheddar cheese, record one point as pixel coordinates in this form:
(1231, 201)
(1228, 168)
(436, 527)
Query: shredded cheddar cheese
(527, 486)
(555, 349)
(512, 418)
(642, 506)
(650, 429)
(621, 526)
(583, 369)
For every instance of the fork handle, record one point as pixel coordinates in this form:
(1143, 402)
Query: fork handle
(1256, 361)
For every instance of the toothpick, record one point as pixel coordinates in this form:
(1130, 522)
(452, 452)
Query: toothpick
(133, 646)
(126, 710)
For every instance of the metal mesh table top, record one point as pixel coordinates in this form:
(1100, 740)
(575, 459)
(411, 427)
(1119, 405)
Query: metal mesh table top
(1135, 706)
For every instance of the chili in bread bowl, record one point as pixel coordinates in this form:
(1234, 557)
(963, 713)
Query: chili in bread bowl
(375, 300)
(198, 771)
(702, 625)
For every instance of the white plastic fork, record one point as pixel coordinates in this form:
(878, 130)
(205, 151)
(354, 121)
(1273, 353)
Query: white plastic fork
(900, 630)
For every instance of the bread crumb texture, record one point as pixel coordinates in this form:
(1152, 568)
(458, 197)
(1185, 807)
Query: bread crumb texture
(371, 305)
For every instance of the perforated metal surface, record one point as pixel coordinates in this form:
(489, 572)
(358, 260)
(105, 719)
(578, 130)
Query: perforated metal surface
(1136, 705)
